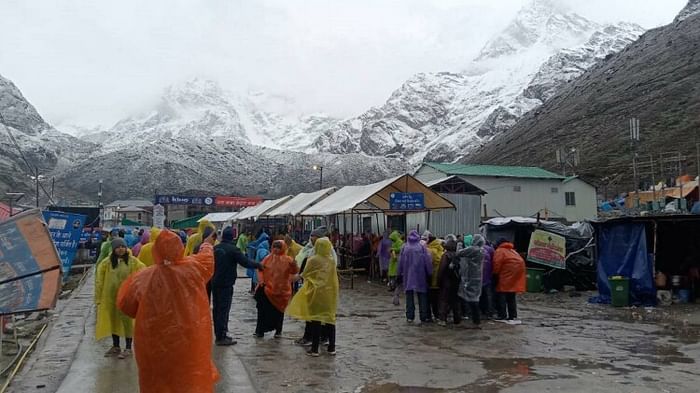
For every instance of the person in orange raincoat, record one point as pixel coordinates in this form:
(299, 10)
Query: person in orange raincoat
(173, 332)
(509, 270)
(274, 289)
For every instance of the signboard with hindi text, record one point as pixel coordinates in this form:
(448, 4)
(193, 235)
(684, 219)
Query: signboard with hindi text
(30, 269)
(548, 249)
(406, 201)
(65, 229)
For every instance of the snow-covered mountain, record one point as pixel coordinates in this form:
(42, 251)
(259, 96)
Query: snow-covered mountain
(442, 116)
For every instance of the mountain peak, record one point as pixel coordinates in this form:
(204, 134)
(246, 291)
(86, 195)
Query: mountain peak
(541, 22)
(195, 92)
(17, 112)
(692, 8)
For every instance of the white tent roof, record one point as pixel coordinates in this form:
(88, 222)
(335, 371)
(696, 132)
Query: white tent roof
(256, 211)
(219, 217)
(376, 196)
(300, 203)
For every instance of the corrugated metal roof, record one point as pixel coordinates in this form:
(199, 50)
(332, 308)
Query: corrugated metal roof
(494, 171)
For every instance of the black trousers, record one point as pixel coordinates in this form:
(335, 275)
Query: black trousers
(434, 300)
(221, 307)
(317, 329)
(474, 312)
(507, 306)
(115, 341)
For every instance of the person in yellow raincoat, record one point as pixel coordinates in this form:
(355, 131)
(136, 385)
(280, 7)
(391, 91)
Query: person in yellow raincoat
(293, 248)
(173, 319)
(111, 273)
(317, 300)
(196, 239)
(146, 253)
(436, 250)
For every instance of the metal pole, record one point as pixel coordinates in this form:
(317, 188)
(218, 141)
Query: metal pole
(680, 181)
(321, 180)
(352, 251)
(653, 179)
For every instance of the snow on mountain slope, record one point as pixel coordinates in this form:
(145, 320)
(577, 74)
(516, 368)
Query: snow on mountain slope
(442, 116)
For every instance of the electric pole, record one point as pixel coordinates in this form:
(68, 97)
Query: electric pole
(634, 141)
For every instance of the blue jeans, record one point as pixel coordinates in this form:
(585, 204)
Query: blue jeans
(423, 306)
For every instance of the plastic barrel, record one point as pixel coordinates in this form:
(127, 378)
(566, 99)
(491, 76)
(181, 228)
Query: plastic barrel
(619, 291)
(534, 279)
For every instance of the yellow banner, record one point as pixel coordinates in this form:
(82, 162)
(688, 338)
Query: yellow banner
(547, 249)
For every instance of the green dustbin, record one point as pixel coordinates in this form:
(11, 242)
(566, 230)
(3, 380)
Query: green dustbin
(534, 279)
(619, 291)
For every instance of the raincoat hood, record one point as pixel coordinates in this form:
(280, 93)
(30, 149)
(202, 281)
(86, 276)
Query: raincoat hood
(203, 224)
(507, 245)
(323, 247)
(413, 237)
(146, 237)
(153, 234)
(264, 245)
(279, 251)
(478, 241)
(451, 245)
(395, 236)
(168, 248)
(468, 239)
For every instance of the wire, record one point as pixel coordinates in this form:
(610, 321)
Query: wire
(21, 153)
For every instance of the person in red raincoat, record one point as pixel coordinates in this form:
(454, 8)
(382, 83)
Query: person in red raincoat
(173, 332)
(509, 270)
(275, 289)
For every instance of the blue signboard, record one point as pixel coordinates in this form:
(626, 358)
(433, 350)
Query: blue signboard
(406, 201)
(65, 229)
(184, 200)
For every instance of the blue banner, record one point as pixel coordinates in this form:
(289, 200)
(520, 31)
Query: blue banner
(30, 273)
(66, 230)
(406, 201)
(184, 200)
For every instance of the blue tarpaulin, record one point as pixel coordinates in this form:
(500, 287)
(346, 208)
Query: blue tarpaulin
(622, 251)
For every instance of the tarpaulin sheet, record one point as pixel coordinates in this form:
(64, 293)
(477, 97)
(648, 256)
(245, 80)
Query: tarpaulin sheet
(622, 251)
(30, 269)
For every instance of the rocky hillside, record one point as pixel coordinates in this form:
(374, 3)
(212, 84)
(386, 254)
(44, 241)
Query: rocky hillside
(443, 116)
(656, 79)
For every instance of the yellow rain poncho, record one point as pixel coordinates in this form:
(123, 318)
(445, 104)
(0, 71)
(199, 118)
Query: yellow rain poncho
(146, 253)
(436, 250)
(317, 300)
(396, 244)
(107, 282)
(196, 239)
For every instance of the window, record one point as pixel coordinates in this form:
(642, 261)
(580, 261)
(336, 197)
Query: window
(555, 190)
(516, 188)
(570, 199)
(139, 216)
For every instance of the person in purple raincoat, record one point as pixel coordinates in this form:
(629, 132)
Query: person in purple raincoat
(384, 255)
(416, 268)
(486, 301)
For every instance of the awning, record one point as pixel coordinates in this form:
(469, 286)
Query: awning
(300, 203)
(219, 217)
(260, 210)
(374, 198)
(189, 222)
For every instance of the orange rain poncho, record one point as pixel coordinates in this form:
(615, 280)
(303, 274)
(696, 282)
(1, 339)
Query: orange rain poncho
(509, 266)
(146, 252)
(277, 276)
(173, 332)
(317, 300)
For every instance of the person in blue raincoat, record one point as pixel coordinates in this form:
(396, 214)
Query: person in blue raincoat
(254, 252)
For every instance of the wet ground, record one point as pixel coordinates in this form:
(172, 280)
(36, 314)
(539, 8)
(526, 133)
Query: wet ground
(564, 344)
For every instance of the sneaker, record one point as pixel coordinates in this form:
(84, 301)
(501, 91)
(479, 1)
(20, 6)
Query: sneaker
(312, 353)
(514, 322)
(331, 352)
(114, 351)
(278, 335)
(124, 354)
(441, 323)
(324, 341)
(259, 335)
(226, 341)
(302, 342)
(409, 321)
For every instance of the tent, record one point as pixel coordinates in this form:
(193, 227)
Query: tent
(254, 212)
(300, 203)
(219, 217)
(374, 198)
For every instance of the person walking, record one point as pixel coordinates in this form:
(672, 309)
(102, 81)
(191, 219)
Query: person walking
(384, 255)
(317, 299)
(396, 245)
(486, 300)
(242, 241)
(471, 259)
(146, 252)
(257, 253)
(173, 323)
(111, 273)
(145, 237)
(274, 289)
(449, 279)
(227, 257)
(416, 268)
(509, 270)
(196, 238)
(106, 246)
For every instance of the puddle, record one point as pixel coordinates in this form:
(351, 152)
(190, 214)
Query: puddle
(395, 388)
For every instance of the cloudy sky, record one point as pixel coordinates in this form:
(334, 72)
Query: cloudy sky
(94, 62)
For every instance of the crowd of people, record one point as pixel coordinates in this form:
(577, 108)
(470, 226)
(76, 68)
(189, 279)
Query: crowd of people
(160, 288)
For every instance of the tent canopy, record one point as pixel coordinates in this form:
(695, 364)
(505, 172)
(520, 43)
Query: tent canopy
(300, 203)
(374, 197)
(219, 217)
(254, 212)
(189, 222)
